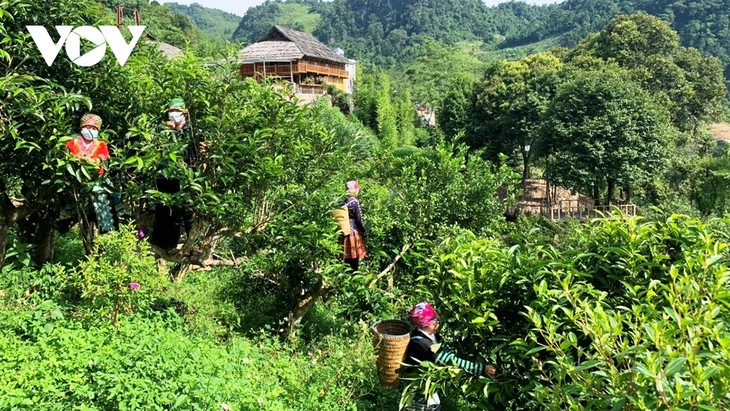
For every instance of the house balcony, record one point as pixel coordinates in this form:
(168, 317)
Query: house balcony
(281, 69)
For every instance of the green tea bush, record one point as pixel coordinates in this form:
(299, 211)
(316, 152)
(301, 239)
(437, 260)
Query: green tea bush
(617, 314)
(416, 193)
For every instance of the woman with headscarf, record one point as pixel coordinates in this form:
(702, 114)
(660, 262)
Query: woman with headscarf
(426, 346)
(88, 147)
(169, 220)
(176, 112)
(354, 243)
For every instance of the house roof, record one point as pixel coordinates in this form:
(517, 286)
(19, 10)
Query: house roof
(168, 50)
(271, 51)
(283, 44)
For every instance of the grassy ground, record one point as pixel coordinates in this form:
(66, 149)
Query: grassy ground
(211, 342)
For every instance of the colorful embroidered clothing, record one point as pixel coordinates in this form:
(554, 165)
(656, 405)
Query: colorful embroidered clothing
(423, 348)
(353, 244)
(95, 150)
(100, 194)
(355, 213)
(92, 120)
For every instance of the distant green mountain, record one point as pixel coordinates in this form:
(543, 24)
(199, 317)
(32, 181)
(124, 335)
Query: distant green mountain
(702, 24)
(301, 15)
(391, 33)
(213, 22)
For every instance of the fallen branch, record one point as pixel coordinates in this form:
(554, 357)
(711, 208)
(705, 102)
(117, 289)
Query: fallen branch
(180, 258)
(391, 266)
(214, 262)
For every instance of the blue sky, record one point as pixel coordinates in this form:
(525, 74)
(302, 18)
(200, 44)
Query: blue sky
(240, 7)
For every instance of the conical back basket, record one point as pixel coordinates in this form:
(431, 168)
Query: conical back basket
(390, 338)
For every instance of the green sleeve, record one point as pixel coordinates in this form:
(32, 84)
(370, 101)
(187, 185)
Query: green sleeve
(446, 356)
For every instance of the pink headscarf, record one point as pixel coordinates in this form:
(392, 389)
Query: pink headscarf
(422, 315)
(352, 187)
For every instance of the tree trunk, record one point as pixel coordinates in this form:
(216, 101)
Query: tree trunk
(609, 191)
(10, 214)
(526, 167)
(303, 303)
(44, 241)
(627, 193)
(86, 227)
(3, 240)
(39, 229)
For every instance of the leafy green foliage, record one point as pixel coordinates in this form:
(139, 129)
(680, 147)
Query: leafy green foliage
(300, 15)
(604, 131)
(436, 68)
(605, 317)
(371, 29)
(647, 45)
(120, 275)
(154, 364)
(512, 104)
(711, 185)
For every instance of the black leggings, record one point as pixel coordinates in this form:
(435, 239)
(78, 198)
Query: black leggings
(353, 262)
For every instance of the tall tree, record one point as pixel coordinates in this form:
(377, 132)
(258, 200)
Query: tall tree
(692, 85)
(605, 132)
(386, 113)
(511, 103)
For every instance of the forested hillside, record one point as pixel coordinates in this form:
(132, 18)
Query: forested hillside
(702, 24)
(395, 34)
(160, 20)
(382, 30)
(213, 22)
(392, 33)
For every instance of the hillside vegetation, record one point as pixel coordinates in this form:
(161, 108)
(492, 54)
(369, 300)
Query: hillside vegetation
(391, 32)
(253, 307)
(213, 22)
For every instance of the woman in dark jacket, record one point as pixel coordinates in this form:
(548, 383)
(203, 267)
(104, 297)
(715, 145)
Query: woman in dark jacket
(426, 346)
(354, 243)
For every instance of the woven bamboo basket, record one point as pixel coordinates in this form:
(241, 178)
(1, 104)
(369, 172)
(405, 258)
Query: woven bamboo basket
(342, 217)
(390, 339)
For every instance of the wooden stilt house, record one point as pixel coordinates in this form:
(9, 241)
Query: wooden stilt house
(300, 58)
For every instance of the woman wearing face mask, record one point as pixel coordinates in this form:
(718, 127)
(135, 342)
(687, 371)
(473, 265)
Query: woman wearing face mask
(177, 119)
(169, 220)
(89, 148)
(176, 114)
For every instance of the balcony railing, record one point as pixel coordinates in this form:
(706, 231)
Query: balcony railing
(289, 69)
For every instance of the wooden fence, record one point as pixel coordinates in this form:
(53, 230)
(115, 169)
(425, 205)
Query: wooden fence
(574, 209)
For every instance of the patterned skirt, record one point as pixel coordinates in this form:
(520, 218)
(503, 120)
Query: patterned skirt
(353, 246)
(419, 403)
